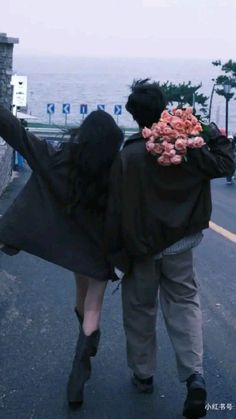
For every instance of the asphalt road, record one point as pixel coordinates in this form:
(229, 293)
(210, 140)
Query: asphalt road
(39, 331)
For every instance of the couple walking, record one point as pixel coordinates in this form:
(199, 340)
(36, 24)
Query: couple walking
(90, 207)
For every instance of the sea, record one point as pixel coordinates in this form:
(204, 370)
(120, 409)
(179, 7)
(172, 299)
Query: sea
(106, 81)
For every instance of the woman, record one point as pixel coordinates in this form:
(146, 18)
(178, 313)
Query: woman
(59, 216)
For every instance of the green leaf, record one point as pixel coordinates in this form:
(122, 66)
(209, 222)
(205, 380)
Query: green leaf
(205, 132)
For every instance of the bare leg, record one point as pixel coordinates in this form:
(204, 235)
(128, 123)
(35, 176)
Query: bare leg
(81, 283)
(93, 305)
(89, 299)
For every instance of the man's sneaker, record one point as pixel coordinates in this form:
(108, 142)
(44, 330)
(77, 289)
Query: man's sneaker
(143, 385)
(195, 403)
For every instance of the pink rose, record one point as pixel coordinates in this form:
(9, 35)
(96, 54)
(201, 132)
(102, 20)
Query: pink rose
(194, 132)
(189, 110)
(158, 148)
(188, 124)
(178, 112)
(185, 117)
(167, 131)
(177, 124)
(146, 132)
(165, 138)
(169, 154)
(159, 128)
(177, 159)
(196, 142)
(172, 152)
(152, 138)
(150, 146)
(167, 146)
(199, 142)
(190, 143)
(193, 120)
(166, 154)
(198, 127)
(154, 125)
(165, 116)
(156, 132)
(174, 135)
(181, 144)
(164, 160)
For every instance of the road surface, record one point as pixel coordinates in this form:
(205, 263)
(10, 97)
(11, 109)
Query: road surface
(39, 332)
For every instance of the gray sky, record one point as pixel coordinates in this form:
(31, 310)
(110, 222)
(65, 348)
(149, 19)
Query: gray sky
(155, 28)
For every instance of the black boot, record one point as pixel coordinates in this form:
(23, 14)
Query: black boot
(195, 403)
(81, 368)
(143, 385)
(96, 337)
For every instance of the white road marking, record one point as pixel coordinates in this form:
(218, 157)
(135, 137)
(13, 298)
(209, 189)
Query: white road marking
(226, 233)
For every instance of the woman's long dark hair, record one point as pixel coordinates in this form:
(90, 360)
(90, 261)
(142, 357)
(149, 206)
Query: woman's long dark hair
(99, 140)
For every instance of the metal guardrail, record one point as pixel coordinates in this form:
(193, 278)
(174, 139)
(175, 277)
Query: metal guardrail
(57, 134)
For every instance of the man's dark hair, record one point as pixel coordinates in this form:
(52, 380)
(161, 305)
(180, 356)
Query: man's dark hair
(146, 102)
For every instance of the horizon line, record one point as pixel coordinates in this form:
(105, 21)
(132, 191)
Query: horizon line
(51, 56)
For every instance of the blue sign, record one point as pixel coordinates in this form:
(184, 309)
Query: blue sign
(50, 108)
(117, 109)
(101, 107)
(66, 108)
(83, 109)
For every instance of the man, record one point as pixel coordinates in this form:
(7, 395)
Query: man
(155, 217)
(229, 179)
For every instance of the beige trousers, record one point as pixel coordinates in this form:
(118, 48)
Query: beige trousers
(172, 280)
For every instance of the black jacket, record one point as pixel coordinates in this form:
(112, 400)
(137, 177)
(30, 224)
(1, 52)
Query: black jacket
(37, 221)
(152, 206)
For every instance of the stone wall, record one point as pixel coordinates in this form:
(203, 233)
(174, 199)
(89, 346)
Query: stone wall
(6, 60)
(5, 166)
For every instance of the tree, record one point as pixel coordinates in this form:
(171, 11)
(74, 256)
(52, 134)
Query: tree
(229, 77)
(185, 94)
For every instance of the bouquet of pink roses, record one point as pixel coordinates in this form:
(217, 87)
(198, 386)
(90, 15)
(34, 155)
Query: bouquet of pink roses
(170, 138)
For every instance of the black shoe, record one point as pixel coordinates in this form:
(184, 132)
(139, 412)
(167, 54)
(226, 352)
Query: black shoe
(81, 369)
(143, 385)
(95, 337)
(195, 403)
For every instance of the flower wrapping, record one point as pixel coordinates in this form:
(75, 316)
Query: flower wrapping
(170, 137)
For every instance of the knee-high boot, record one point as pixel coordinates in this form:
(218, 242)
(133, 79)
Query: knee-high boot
(95, 338)
(81, 368)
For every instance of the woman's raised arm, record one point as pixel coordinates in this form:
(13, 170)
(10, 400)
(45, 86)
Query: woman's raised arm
(37, 152)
